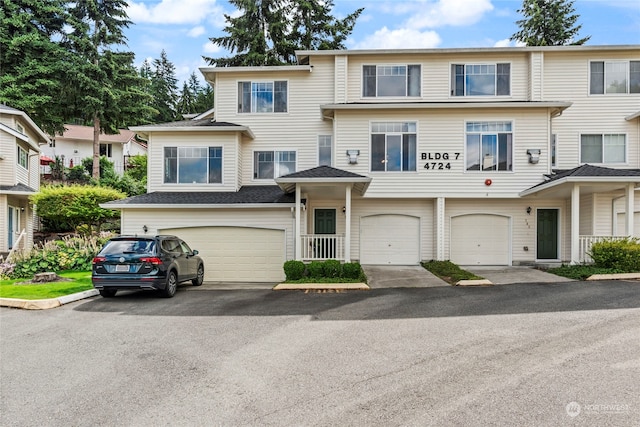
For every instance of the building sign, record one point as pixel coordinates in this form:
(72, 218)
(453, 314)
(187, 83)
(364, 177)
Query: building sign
(438, 161)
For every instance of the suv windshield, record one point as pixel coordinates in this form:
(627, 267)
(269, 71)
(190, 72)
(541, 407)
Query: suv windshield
(133, 246)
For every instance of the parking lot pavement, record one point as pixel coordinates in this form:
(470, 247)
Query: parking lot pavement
(527, 354)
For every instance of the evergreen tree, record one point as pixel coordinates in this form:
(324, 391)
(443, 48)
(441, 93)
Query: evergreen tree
(106, 89)
(33, 65)
(267, 32)
(204, 99)
(186, 102)
(164, 88)
(548, 23)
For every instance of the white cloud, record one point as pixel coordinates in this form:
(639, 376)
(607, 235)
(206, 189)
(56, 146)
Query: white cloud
(209, 47)
(196, 31)
(172, 11)
(399, 39)
(508, 43)
(429, 14)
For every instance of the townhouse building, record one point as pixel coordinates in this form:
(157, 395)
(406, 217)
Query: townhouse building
(20, 141)
(488, 156)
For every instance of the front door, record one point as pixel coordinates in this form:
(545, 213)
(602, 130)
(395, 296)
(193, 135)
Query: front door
(325, 223)
(547, 234)
(14, 221)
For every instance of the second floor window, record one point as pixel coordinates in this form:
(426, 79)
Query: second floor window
(390, 80)
(603, 148)
(393, 146)
(193, 165)
(324, 150)
(105, 150)
(262, 97)
(272, 164)
(480, 79)
(614, 77)
(489, 146)
(23, 157)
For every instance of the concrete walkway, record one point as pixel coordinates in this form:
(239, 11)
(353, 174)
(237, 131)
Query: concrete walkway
(401, 276)
(499, 275)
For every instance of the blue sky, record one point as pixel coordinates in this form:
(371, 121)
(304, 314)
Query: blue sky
(183, 27)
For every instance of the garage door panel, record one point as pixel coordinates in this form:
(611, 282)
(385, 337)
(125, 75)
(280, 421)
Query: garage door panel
(237, 254)
(480, 239)
(390, 240)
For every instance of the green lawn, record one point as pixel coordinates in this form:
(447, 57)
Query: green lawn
(81, 282)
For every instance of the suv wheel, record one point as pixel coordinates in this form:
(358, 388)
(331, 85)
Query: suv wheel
(172, 285)
(199, 276)
(108, 293)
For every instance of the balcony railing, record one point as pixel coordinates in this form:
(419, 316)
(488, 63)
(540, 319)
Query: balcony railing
(322, 246)
(587, 241)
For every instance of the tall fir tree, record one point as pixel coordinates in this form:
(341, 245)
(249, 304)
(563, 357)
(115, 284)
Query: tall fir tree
(548, 23)
(186, 102)
(107, 89)
(33, 62)
(267, 32)
(164, 88)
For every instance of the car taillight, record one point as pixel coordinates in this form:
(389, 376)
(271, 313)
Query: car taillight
(152, 260)
(98, 259)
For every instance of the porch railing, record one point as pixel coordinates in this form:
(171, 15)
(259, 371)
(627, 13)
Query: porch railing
(322, 246)
(587, 241)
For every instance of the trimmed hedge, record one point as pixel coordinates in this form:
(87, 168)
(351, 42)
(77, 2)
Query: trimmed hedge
(622, 255)
(323, 271)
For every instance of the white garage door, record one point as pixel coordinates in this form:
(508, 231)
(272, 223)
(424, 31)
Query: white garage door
(480, 240)
(237, 254)
(390, 239)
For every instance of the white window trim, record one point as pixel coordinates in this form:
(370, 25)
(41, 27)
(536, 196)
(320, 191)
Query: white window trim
(513, 145)
(628, 70)
(482, 96)
(385, 172)
(332, 161)
(237, 113)
(18, 159)
(275, 151)
(387, 98)
(180, 184)
(626, 148)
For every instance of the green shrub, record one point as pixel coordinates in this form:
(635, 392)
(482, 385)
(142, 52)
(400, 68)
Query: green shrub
(294, 270)
(70, 253)
(332, 268)
(351, 270)
(315, 269)
(622, 255)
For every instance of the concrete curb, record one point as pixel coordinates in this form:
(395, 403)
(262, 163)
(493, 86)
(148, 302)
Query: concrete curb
(618, 276)
(44, 304)
(321, 286)
(476, 282)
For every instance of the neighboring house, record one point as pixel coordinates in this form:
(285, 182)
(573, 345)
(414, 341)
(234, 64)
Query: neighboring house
(20, 140)
(76, 144)
(489, 156)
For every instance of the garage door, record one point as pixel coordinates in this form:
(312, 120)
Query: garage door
(390, 239)
(237, 254)
(480, 239)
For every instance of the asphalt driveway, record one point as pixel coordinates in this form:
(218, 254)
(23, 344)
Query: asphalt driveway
(526, 354)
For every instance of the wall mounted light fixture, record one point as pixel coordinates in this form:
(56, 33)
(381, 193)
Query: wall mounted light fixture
(353, 156)
(344, 209)
(534, 155)
(144, 228)
(528, 210)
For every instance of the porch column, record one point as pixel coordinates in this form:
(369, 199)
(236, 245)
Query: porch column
(575, 224)
(630, 208)
(298, 238)
(347, 224)
(440, 229)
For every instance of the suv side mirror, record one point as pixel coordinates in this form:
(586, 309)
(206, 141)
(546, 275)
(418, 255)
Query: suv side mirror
(195, 252)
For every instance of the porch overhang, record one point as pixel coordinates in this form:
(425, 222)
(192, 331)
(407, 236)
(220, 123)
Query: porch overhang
(632, 116)
(17, 190)
(324, 176)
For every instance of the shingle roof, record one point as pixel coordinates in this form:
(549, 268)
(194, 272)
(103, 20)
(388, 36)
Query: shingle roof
(323, 172)
(253, 194)
(192, 123)
(588, 171)
(86, 133)
(18, 188)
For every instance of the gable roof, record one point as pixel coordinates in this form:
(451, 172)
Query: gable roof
(585, 174)
(198, 125)
(323, 175)
(247, 196)
(17, 189)
(43, 137)
(85, 133)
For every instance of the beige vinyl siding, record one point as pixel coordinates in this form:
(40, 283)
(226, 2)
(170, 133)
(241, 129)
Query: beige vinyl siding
(536, 76)
(444, 132)
(423, 209)
(618, 204)
(341, 63)
(22, 174)
(8, 166)
(523, 226)
(586, 214)
(296, 130)
(436, 74)
(567, 79)
(159, 140)
(133, 220)
(4, 226)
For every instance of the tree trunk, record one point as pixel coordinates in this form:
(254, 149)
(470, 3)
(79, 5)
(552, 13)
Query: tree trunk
(96, 147)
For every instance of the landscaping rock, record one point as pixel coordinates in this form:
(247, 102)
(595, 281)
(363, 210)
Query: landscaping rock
(48, 276)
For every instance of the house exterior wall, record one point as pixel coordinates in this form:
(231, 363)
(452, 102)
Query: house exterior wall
(8, 151)
(76, 150)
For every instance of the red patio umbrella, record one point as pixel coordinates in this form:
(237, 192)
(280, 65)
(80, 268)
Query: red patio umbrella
(46, 160)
